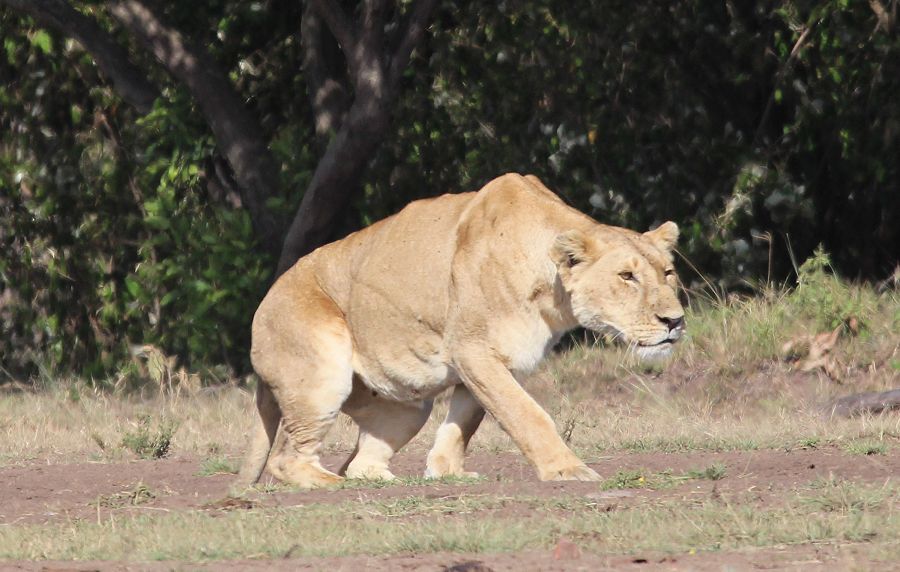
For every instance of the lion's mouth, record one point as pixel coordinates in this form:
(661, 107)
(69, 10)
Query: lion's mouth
(645, 349)
(659, 350)
(665, 342)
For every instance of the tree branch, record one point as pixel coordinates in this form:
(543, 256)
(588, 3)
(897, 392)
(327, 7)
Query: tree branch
(238, 133)
(328, 95)
(112, 59)
(885, 19)
(340, 27)
(372, 35)
(413, 31)
(862, 403)
(779, 77)
(334, 182)
(375, 74)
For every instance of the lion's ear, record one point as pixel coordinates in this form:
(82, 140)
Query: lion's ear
(665, 236)
(570, 248)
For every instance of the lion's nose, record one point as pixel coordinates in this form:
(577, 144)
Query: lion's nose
(672, 323)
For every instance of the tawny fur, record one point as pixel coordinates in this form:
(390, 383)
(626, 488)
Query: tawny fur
(460, 291)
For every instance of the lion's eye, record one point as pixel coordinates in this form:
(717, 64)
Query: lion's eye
(670, 272)
(628, 276)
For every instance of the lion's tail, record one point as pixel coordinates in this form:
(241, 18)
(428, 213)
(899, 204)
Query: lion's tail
(262, 439)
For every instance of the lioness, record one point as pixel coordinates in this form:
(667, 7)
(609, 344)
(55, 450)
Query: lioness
(462, 291)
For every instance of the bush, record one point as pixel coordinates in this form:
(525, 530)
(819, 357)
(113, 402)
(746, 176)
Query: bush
(826, 300)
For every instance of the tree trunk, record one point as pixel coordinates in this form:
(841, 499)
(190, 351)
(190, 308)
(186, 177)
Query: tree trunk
(860, 403)
(375, 71)
(328, 93)
(334, 182)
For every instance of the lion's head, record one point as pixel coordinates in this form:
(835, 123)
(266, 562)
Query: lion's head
(623, 282)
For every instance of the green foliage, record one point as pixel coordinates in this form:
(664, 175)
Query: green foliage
(825, 299)
(116, 237)
(147, 441)
(198, 277)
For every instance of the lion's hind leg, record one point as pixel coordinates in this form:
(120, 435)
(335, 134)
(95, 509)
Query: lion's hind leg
(385, 426)
(306, 363)
(262, 440)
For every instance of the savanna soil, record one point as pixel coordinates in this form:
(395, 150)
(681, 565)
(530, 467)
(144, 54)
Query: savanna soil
(60, 493)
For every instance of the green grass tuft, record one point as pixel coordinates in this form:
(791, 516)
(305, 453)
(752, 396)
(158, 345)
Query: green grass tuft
(714, 472)
(217, 466)
(149, 442)
(866, 447)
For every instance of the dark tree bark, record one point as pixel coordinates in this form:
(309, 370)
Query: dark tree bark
(237, 132)
(375, 70)
(328, 92)
(112, 59)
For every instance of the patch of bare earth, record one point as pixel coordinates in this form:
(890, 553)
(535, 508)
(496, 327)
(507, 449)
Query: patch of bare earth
(850, 557)
(92, 491)
(47, 493)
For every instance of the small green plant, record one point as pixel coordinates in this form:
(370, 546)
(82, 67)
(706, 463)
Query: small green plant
(839, 495)
(809, 443)
(821, 296)
(217, 466)
(634, 479)
(148, 442)
(74, 393)
(640, 479)
(643, 479)
(866, 448)
(714, 472)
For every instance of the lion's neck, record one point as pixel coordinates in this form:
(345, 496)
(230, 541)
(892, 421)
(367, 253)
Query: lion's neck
(556, 308)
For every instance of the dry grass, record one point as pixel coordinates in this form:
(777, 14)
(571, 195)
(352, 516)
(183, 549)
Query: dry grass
(55, 427)
(641, 415)
(726, 388)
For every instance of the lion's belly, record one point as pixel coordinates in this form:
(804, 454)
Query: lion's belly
(399, 347)
(404, 376)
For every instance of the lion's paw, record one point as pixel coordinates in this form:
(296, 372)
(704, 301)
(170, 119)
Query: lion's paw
(574, 473)
(433, 474)
(307, 475)
(438, 466)
(371, 473)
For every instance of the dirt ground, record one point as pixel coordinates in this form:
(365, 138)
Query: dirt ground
(787, 558)
(34, 494)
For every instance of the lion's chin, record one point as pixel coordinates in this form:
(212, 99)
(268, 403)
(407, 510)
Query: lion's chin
(656, 352)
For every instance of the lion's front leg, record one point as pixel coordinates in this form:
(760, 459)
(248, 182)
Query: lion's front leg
(527, 423)
(447, 456)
